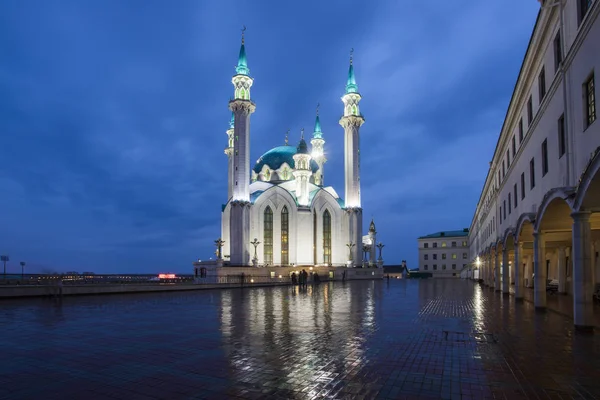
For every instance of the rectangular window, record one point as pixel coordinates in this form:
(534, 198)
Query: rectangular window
(520, 130)
(542, 83)
(522, 185)
(444, 256)
(426, 257)
(454, 256)
(515, 195)
(562, 139)
(545, 157)
(507, 158)
(464, 243)
(435, 256)
(434, 244)
(426, 245)
(453, 244)
(500, 214)
(557, 51)
(532, 173)
(590, 100)
(504, 211)
(499, 177)
(464, 256)
(529, 110)
(584, 7)
(509, 204)
(514, 146)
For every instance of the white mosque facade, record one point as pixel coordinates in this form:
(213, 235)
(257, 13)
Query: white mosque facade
(279, 212)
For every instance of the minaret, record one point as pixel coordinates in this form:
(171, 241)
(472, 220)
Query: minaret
(229, 152)
(352, 121)
(373, 238)
(242, 107)
(318, 153)
(302, 171)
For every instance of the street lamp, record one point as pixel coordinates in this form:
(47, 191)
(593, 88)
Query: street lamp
(219, 243)
(380, 246)
(255, 243)
(22, 269)
(350, 247)
(4, 259)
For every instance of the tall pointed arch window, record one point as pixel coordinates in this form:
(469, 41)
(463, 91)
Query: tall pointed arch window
(327, 237)
(268, 236)
(285, 228)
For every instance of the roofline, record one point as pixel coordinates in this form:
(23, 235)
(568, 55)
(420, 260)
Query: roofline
(512, 98)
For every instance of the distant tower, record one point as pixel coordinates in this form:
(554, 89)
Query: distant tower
(229, 152)
(352, 121)
(318, 153)
(302, 171)
(373, 238)
(242, 107)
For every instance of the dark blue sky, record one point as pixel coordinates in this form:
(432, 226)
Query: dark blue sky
(113, 116)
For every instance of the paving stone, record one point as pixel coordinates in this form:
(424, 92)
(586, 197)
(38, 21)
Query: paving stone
(403, 339)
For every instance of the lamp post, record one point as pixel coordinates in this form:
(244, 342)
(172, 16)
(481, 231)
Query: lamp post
(380, 246)
(4, 259)
(255, 243)
(22, 269)
(219, 243)
(365, 250)
(350, 247)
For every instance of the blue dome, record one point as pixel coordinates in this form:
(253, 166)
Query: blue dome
(275, 157)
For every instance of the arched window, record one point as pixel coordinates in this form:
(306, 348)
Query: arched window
(268, 236)
(285, 227)
(326, 237)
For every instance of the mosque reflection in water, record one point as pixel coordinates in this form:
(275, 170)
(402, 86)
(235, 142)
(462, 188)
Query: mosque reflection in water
(299, 334)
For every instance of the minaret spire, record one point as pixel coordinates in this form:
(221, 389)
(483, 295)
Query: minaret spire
(351, 86)
(317, 143)
(352, 121)
(242, 65)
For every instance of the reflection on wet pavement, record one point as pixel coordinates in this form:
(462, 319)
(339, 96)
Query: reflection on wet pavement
(354, 340)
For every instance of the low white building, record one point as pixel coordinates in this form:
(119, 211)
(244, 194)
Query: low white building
(444, 254)
(540, 205)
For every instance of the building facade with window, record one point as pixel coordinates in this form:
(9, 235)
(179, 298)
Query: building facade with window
(444, 254)
(537, 221)
(279, 211)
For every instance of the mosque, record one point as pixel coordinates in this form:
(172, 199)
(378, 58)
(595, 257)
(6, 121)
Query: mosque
(279, 212)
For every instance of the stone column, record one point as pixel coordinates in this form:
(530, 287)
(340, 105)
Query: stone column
(512, 271)
(596, 263)
(539, 269)
(505, 271)
(582, 271)
(497, 286)
(562, 269)
(518, 271)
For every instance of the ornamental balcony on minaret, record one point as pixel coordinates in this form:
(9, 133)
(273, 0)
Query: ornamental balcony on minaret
(302, 172)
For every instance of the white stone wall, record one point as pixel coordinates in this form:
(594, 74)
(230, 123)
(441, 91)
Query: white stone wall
(580, 59)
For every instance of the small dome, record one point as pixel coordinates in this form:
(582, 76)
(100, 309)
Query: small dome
(302, 147)
(275, 158)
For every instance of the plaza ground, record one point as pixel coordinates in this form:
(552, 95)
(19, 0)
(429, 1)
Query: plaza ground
(355, 340)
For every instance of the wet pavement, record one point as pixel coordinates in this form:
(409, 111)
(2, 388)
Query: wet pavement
(403, 339)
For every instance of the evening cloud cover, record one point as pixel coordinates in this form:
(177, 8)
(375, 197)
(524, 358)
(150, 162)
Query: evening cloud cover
(113, 117)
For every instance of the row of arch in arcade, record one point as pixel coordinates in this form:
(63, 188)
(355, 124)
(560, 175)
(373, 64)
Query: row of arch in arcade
(560, 243)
